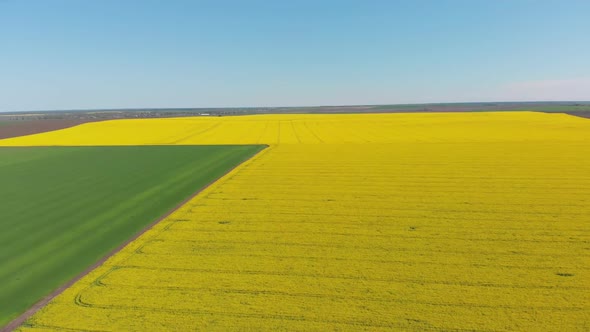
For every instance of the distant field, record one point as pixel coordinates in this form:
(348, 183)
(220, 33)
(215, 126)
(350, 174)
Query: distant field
(110, 114)
(17, 128)
(65, 208)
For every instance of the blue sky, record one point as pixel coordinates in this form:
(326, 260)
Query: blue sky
(82, 54)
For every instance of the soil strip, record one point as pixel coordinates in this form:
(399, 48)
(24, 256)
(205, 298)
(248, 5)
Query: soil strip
(18, 128)
(582, 114)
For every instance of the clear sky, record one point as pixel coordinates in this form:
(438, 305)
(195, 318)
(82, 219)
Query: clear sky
(83, 54)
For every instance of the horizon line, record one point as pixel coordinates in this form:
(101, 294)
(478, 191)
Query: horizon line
(291, 107)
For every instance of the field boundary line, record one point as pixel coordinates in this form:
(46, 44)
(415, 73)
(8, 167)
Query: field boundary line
(19, 320)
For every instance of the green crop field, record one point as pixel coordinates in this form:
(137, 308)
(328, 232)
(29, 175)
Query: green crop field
(64, 208)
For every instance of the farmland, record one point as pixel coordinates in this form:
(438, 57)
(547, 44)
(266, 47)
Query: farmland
(12, 128)
(454, 222)
(63, 208)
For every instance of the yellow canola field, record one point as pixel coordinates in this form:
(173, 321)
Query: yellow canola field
(317, 129)
(424, 222)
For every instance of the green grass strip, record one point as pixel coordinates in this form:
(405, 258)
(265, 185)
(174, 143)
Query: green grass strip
(64, 208)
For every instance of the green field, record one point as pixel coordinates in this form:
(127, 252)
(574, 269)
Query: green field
(64, 208)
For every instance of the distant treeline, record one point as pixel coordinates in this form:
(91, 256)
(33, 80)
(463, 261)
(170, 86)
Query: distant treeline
(576, 108)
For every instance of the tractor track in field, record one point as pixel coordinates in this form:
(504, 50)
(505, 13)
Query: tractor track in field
(19, 320)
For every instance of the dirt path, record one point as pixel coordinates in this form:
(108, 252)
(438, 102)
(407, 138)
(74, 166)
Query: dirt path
(18, 321)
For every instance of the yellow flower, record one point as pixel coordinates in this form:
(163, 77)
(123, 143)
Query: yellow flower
(463, 221)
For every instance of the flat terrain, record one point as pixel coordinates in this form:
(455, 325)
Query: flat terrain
(29, 127)
(63, 208)
(413, 222)
(29, 123)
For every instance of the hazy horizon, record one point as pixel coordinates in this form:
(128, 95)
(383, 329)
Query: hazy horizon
(583, 102)
(73, 55)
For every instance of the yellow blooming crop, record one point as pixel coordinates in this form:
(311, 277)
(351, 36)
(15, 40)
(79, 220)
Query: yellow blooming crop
(326, 129)
(446, 222)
